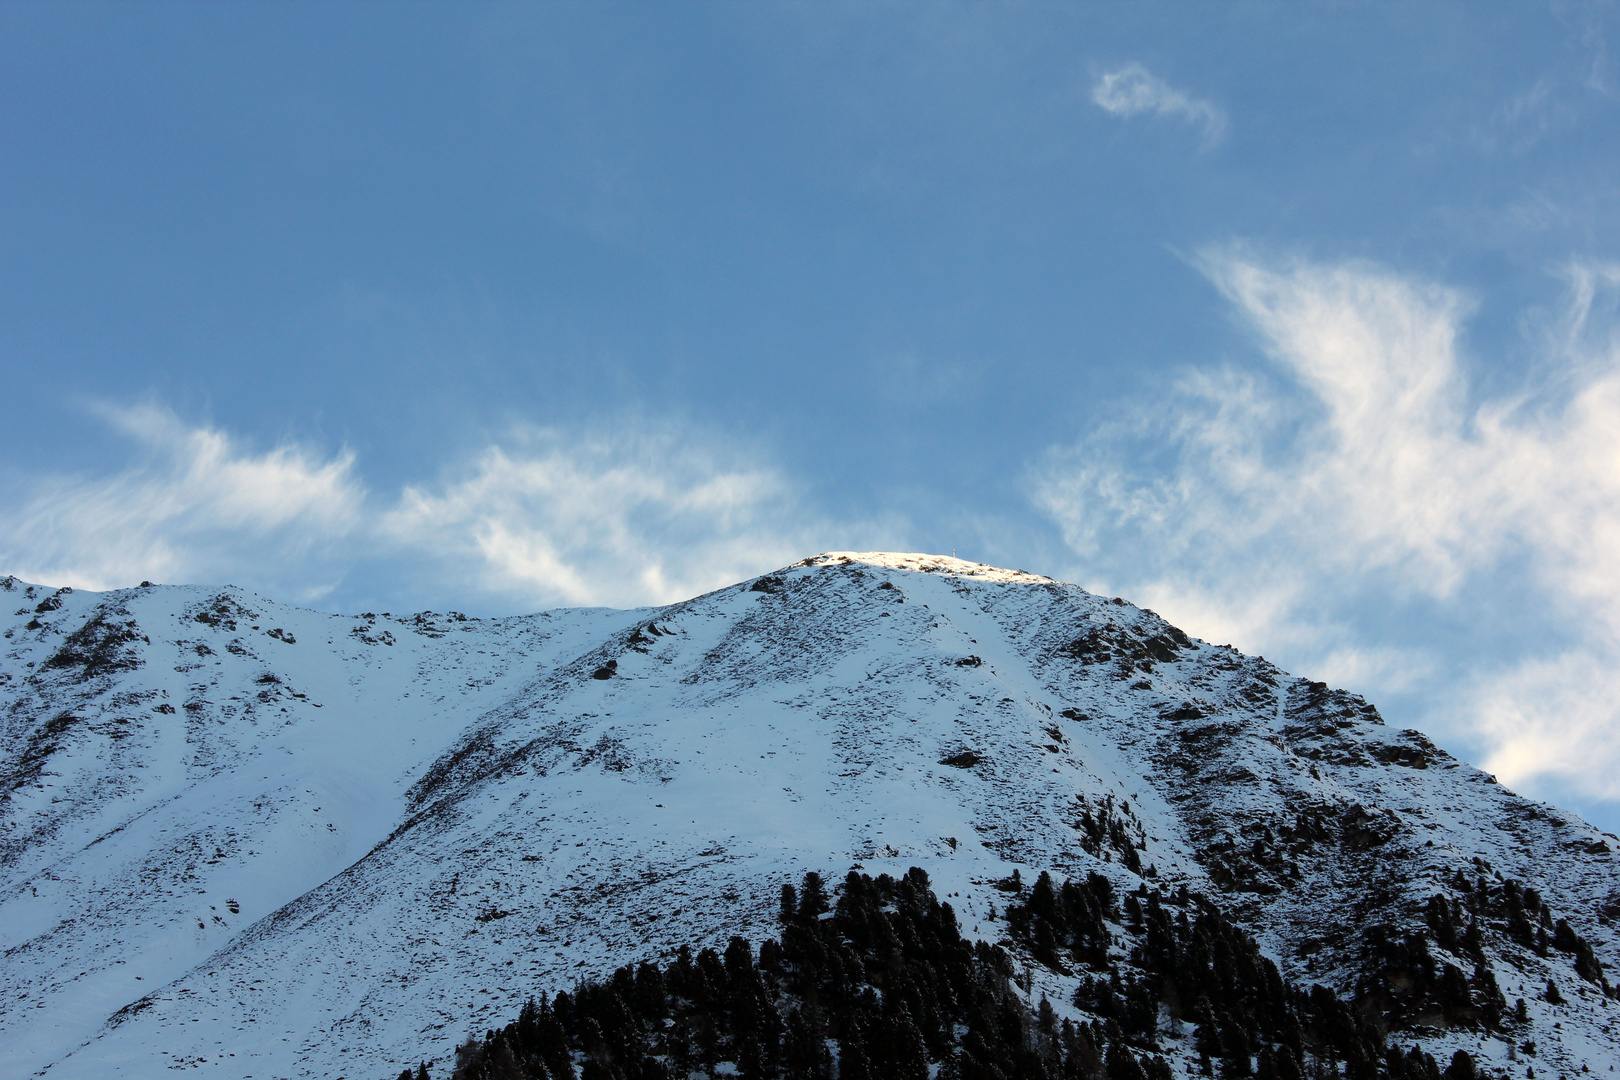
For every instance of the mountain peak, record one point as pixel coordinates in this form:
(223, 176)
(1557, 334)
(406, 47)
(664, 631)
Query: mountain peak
(247, 838)
(924, 563)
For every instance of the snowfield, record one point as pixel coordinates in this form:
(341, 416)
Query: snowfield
(249, 840)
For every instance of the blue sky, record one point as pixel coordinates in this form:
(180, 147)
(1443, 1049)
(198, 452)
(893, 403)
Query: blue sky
(1293, 322)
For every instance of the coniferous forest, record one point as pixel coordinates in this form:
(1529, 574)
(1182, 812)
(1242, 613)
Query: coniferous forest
(879, 983)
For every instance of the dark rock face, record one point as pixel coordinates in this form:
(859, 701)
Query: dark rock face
(103, 645)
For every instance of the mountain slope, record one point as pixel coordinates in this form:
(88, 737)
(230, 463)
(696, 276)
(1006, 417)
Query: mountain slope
(260, 841)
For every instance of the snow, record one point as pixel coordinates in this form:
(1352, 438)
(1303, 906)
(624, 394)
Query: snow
(421, 821)
(927, 564)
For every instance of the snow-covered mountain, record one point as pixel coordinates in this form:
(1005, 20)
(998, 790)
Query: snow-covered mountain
(251, 840)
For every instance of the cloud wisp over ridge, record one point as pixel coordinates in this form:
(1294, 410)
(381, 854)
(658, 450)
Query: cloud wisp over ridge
(197, 505)
(1294, 509)
(1132, 90)
(646, 516)
(628, 514)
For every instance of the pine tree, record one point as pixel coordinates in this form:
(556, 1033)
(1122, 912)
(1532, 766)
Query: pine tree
(1461, 1067)
(804, 1056)
(908, 1055)
(1122, 1064)
(812, 897)
(790, 902)
(501, 1064)
(853, 1062)
(469, 1059)
(1239, 1061)
(750, 1057)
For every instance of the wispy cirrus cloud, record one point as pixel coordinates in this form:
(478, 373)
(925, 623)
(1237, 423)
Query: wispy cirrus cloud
(644, 514)
(1361, 485)
(193, 504)
(1132, 90)
(638, 512)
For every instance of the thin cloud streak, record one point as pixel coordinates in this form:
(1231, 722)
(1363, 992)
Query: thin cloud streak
(649, 516)
(640, 513)
(1367, 478)
(1132, 90)
(198, 505)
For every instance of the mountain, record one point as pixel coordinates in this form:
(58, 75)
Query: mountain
(250, 840)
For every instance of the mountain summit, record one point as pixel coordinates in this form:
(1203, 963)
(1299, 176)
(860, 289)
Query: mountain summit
(247, 839)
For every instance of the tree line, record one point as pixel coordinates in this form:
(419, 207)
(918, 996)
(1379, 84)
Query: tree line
(878, 982)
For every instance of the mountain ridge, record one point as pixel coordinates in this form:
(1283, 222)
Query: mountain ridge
(588, 787)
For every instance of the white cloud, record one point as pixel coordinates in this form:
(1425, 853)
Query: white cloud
(633, 516)
(1555, 719)
(1296, 514)
(1133, 90)
(636, 514)
(197, 506)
